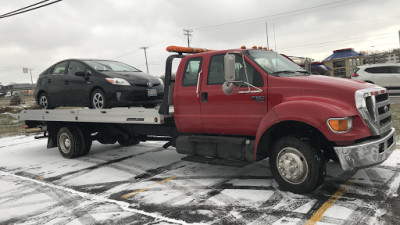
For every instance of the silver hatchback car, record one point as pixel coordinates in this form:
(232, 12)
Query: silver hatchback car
(385, 75)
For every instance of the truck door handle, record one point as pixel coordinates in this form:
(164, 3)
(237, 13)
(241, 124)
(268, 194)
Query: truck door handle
(204, 97)
(66, 82)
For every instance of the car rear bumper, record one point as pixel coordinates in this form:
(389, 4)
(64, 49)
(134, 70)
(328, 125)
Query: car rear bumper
(368, 153)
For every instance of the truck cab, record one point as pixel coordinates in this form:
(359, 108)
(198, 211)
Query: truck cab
(271, 107)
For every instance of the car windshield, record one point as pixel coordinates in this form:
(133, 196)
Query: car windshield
(104, 65)
(275, 64)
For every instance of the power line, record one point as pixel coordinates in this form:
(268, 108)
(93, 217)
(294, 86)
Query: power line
(305, 10)
(28, 8)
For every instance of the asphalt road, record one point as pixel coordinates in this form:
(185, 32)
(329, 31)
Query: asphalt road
(146, 184)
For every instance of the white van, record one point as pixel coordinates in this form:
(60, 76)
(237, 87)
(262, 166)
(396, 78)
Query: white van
(384, 75)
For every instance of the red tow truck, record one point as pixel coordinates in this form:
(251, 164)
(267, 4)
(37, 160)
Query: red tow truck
(242, 104)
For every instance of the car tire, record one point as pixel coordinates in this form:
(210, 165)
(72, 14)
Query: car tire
(98, 99)
(43, 101)
(296, 165)
(70, 142)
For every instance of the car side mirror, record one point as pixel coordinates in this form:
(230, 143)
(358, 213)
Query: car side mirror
(229, 67)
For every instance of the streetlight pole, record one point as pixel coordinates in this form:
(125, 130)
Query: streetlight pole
(145, 56)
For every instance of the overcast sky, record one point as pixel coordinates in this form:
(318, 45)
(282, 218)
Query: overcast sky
(116, 29)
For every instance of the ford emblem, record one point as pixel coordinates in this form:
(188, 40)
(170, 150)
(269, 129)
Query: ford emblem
(149, 84)
(386, 109)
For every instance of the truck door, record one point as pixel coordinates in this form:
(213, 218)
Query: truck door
(186, 101)
(235, 114)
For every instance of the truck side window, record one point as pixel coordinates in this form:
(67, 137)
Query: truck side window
(192, 69)
(216, 71)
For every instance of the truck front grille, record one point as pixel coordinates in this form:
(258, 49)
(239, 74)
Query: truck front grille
(374, 106)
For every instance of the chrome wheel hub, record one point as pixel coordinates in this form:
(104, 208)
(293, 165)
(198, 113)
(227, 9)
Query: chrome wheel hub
(98, 101)
(65, 143)
(292, 165)
(43, 102)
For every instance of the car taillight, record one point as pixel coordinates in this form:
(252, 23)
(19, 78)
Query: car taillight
(354, 75)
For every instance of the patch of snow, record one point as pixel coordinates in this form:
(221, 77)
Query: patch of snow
(338, 212)
(306, 207)
(252, 198)
(287, 221)
(251, 182)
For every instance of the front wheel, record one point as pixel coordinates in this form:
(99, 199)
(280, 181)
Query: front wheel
(296, 165)
(98, 99)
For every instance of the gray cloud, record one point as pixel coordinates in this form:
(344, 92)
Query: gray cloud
(117, 29)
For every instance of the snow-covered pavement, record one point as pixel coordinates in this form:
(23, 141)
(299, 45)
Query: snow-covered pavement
(146, 184)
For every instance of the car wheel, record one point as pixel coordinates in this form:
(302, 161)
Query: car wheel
(296, 165)
(43, 101)
(98, 100)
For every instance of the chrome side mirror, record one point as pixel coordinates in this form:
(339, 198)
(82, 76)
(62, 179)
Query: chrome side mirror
(229, 67)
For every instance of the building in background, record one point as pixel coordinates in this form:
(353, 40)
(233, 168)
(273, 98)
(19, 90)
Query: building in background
(23, 89)
(392, 56)
(344, 62)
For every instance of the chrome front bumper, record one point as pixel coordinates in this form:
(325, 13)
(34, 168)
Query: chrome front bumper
(367, 153)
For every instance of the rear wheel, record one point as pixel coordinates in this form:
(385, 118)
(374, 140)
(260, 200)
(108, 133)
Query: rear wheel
(296, 165)
(43, 101)
(70, 142)
(98, 100)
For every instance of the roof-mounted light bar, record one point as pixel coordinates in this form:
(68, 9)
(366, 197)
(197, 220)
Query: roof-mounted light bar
(186, 49)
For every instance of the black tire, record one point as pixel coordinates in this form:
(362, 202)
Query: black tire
(87, 141)
(98, 100)
(296, 165)
(131, 141)
(43, 101)
(70, 142)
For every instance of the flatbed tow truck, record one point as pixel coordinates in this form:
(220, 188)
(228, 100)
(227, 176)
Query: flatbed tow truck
(242, 104)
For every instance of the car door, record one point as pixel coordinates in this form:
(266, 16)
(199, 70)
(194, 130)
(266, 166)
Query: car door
(235, 114)
(55, 84)
(394, 77)
(186, 100)
(76, 86)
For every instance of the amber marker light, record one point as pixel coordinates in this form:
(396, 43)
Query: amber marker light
(340, 125)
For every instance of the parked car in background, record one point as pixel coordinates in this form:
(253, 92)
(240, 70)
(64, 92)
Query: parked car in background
(96, 84)
(385, 75)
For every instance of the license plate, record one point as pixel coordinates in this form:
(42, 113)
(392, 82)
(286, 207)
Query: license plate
(151, 92)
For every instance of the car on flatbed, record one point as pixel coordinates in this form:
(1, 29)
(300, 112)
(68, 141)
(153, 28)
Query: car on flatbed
(96, 84)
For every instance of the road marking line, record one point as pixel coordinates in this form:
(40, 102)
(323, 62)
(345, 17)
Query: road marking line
(321, 211)
(145, 189)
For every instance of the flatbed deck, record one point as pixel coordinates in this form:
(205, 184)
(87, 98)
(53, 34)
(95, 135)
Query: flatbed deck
(125, 115)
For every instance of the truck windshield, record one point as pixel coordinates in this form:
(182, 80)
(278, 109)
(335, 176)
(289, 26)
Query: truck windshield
(105, 65)
(275, 64)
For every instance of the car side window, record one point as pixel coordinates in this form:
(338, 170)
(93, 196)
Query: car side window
(395, 69)
(59, 69)
(379, 69)
(191, 73)
(74, 67)
(216, 71)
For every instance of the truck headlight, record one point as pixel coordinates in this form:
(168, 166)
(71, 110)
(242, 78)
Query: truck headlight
(118, 81)
(340, 125)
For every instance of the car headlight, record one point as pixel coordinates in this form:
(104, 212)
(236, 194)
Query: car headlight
(118, 81)
(340, 125)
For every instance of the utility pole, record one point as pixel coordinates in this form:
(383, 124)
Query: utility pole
(266, 31)
(145, 56)
(188, 33)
